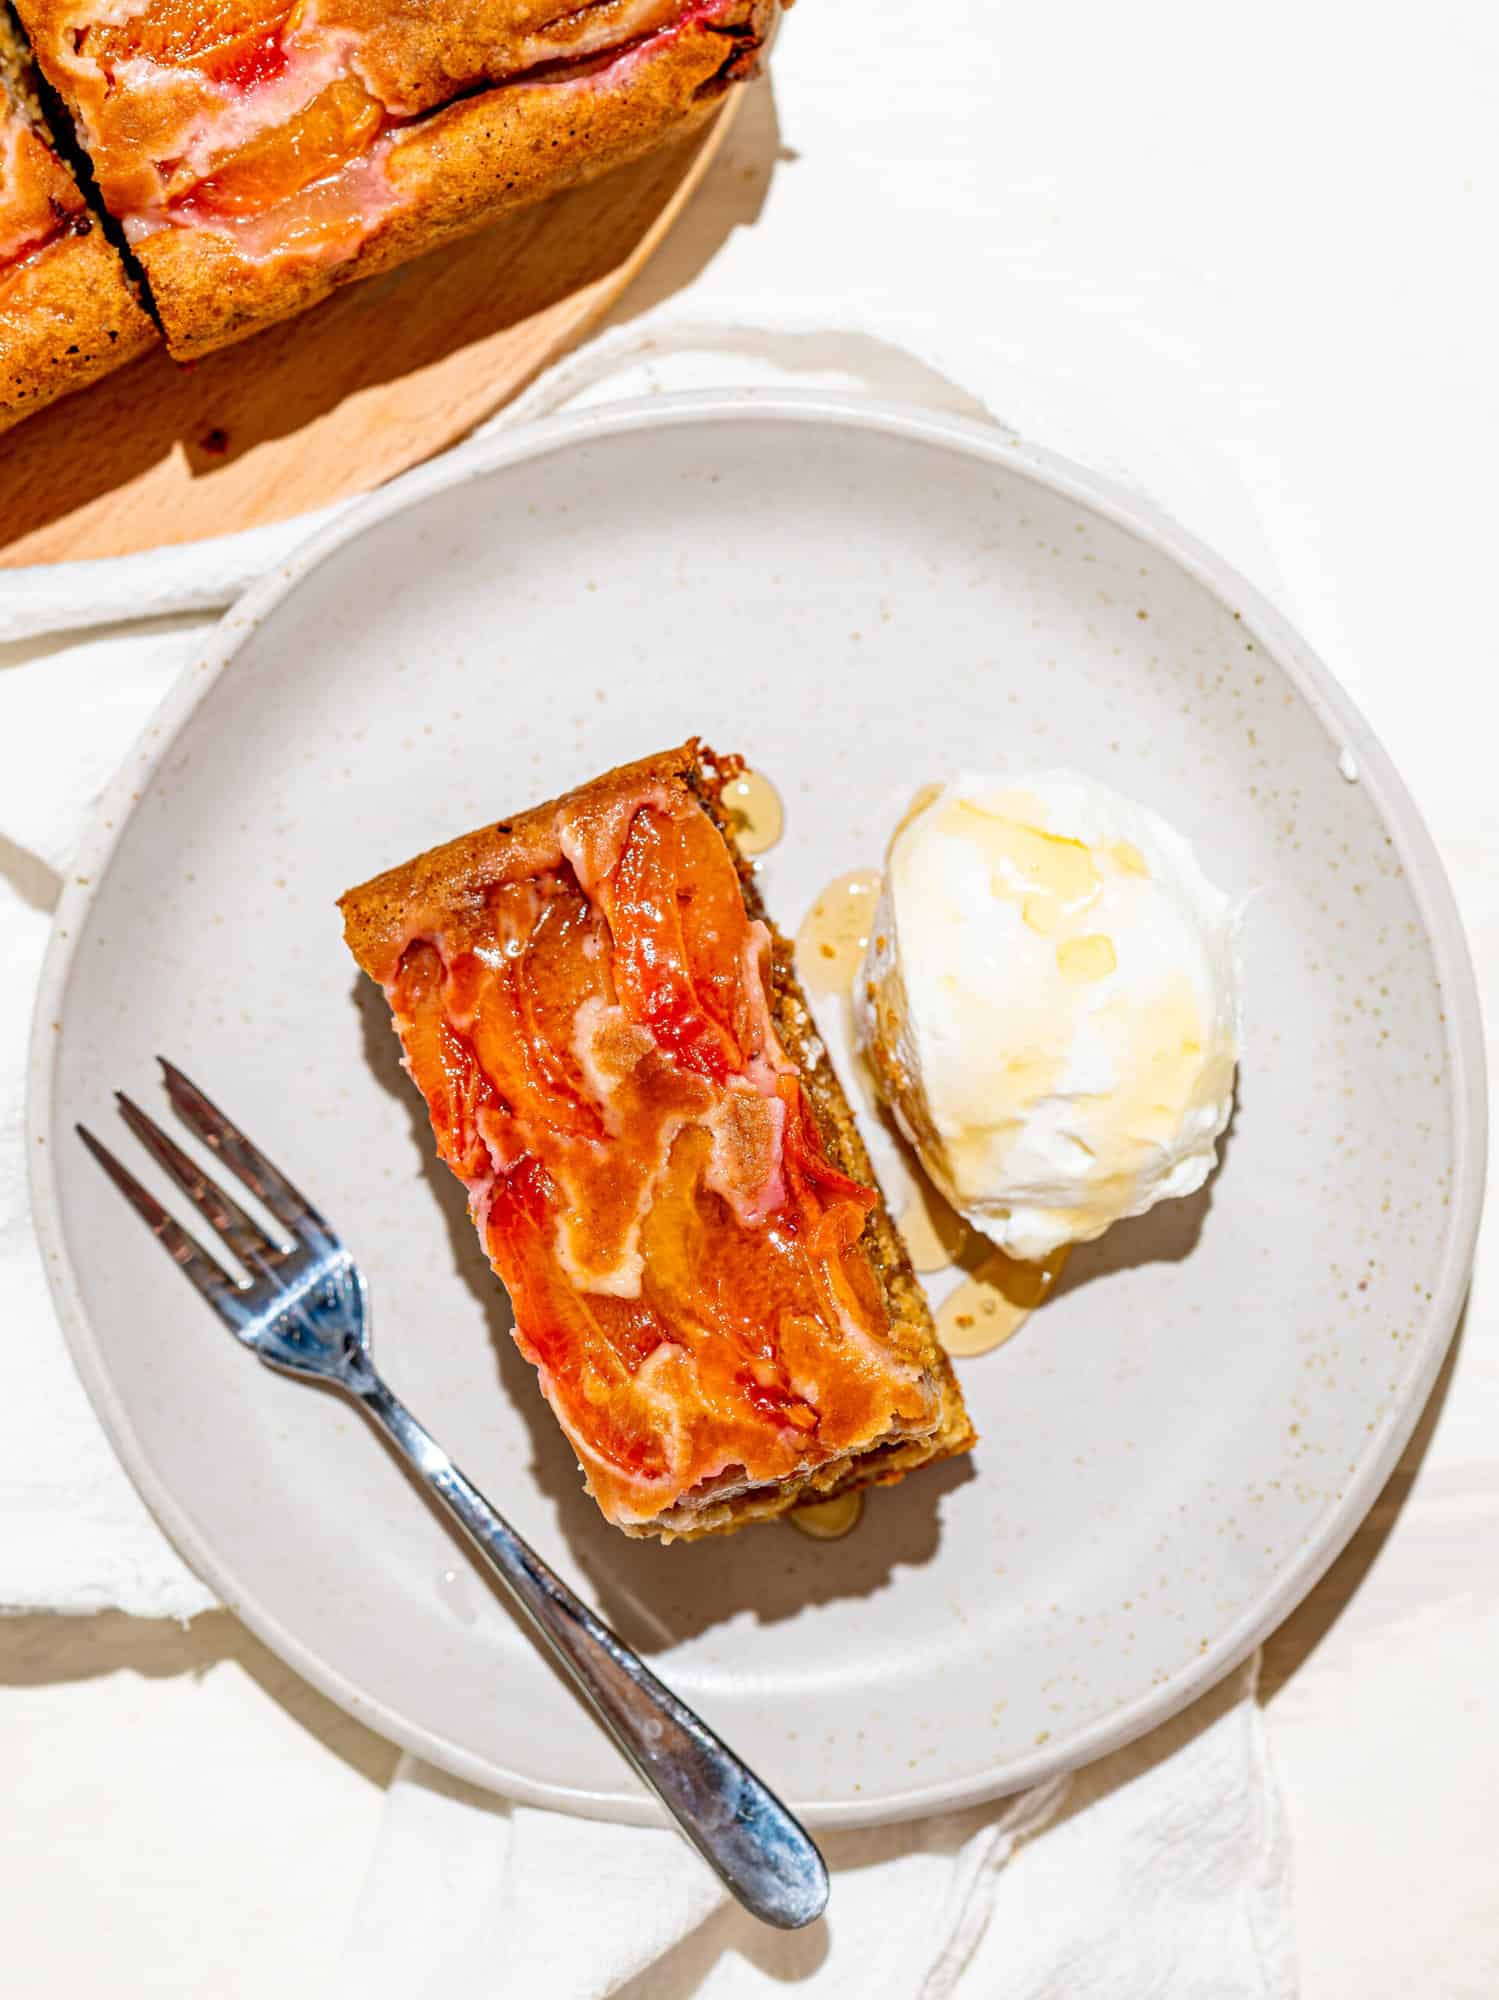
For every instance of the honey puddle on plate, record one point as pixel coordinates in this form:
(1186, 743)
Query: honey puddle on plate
(999, 1294)
(934, 1233)
(830, 944)
(829, 1520)
(754, 810)
(995, 1301)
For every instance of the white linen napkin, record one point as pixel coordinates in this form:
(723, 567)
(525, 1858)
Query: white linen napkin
(1163, 1869)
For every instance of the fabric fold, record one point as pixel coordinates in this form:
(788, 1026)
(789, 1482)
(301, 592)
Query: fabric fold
(1164, 1868)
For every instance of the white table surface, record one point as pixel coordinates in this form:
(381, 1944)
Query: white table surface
(1265, 240)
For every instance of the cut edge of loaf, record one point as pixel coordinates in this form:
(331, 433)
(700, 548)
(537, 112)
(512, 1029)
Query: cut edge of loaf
(70, 312)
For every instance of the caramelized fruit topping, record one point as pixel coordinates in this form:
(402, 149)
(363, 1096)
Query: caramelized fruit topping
(647, 1173)
(233, 41)
(336, 127)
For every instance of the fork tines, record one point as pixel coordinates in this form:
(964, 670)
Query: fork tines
(243, 1160)
(241, 1234)
(219, 1210)
(212, 1282)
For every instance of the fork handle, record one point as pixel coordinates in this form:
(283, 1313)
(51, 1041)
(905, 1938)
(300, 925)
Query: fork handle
(758, 1849)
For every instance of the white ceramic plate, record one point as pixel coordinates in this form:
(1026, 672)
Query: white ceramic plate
(859, 599)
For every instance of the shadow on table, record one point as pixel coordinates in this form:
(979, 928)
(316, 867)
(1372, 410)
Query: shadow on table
(47, 1648)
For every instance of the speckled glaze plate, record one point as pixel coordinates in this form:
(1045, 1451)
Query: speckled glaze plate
(859, 599)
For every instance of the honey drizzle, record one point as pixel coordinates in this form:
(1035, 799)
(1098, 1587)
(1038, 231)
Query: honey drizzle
(754, 811)
(935, 1235)
(831, 942)
(829, 1520)
(989, 1307)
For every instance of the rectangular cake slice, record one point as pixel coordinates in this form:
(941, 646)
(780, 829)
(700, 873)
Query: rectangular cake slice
(663, 1169)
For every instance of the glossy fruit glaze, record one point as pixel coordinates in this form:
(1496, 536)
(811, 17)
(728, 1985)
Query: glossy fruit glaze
(221, 113)
(596, 1048)
(38, 200)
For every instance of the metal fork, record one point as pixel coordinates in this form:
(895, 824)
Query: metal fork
(303, 1309)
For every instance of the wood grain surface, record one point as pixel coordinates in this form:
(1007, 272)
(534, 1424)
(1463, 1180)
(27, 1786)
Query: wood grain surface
(375, 379)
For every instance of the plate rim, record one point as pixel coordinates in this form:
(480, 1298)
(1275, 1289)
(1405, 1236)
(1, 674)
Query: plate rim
(1126, 508)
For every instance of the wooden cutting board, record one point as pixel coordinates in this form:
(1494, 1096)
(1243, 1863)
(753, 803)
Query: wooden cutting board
(376, 378)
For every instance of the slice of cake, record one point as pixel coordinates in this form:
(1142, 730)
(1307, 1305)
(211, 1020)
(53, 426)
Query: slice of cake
(67, 312)
(259, 152)
(621, 1068)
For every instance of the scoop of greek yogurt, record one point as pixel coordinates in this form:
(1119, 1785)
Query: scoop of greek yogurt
(1050, 1002)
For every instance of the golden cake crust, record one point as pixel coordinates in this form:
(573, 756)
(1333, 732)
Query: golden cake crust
(67, 316)
(382, 915)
